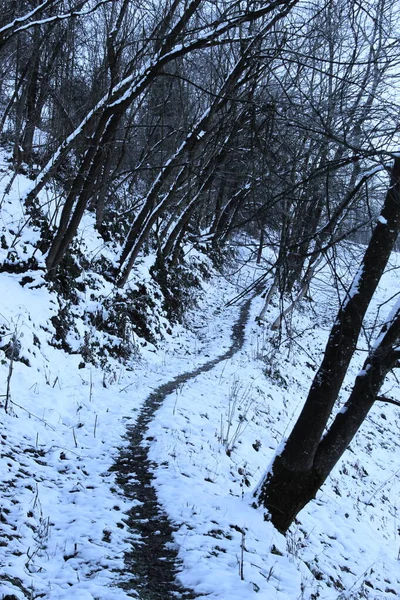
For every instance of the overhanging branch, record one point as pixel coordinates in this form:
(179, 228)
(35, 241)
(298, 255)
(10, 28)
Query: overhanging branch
(388, 400)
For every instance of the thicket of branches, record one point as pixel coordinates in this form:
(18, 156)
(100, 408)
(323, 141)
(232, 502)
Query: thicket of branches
(198, 119)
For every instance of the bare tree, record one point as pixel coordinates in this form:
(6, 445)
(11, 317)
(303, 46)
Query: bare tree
(106, 116)
(309, 455)
(335, 123)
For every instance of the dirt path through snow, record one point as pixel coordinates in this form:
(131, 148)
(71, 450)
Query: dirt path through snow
(151, 564)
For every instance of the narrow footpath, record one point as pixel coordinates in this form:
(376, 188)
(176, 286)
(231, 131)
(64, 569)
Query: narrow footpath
(151, 564)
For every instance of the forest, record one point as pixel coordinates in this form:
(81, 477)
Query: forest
(149, 149)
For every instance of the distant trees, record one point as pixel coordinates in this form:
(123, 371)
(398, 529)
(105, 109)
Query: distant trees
(337, 123)
(143, 62)
(36, 49)
(200, 119)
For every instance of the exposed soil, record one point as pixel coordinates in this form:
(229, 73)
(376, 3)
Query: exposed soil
(151, 564)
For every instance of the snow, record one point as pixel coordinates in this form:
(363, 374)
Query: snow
(393, 315)
(25, 17)
(354, 288)
(63, 526)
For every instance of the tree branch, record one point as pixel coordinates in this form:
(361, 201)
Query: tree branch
(388, 400)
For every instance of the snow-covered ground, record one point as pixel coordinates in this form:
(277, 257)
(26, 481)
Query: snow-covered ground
(62, 529)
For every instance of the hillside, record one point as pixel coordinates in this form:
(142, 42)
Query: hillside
(80, 359)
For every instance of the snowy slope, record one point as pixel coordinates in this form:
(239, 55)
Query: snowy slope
(220, 434)
(62, 527)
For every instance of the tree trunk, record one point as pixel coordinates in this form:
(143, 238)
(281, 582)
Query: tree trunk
(285, 491)
(341, 345)
(302, 467)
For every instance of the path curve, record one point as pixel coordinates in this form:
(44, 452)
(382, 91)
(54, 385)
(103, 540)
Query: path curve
(151, 564)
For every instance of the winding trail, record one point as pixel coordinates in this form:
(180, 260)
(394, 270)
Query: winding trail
(151, 565)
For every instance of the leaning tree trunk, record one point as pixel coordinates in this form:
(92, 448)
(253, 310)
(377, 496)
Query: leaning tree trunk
(294, 477)
(286, 492)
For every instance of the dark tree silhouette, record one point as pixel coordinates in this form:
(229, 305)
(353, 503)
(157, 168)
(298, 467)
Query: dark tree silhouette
(309, 455)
